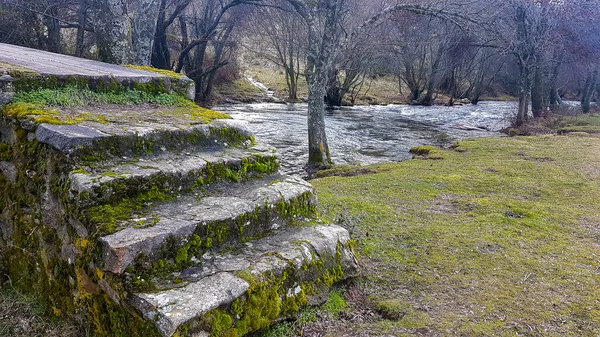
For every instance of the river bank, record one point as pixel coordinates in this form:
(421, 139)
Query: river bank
(498, 238)
(267, 85)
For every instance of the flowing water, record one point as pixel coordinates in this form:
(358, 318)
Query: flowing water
(369, 134)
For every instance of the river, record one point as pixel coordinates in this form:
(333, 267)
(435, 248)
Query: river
(369, 134)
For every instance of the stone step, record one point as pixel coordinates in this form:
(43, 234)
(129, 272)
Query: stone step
(220, 217)
(31, 69)
(249, 288)
(175, 172)
(90, 143)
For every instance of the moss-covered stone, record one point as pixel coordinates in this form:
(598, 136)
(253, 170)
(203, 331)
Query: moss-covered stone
(42, 228)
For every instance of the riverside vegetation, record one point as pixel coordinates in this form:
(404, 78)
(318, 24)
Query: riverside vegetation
(500, 237)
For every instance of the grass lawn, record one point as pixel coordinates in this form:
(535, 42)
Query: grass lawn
(499, 238)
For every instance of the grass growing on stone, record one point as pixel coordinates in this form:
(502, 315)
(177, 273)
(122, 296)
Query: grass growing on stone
(73, 97)
(44, 105)
(500, 238)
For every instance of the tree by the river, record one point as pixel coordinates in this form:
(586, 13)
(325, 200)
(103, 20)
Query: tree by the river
(535, 50)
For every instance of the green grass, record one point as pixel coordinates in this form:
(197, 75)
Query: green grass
(589, 123)
(22, 315)
(500, 238)
(241, 90)
(335, 304)
(44, 105)
(73, 97)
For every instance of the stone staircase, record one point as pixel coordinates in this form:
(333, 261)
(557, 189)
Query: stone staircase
(140, 221)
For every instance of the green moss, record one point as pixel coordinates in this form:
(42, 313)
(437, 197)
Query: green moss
(301, 206)
(232, 136)
(165, 72)
(221, 324)
(16, 71)
(393, 309)
(5, 152)
(268, 299)
(254, 166)
(32, 112)
(490, 215)
(185, 253)
(108, 217)
(65, 288)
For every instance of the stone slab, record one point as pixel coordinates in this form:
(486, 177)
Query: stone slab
(47, 63)
(67, 138)
(170, 135)
(213, 283)
(172, 308)
(179, 170)
(61, 66)
(181, 217)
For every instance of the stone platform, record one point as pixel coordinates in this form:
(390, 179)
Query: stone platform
(35, 68)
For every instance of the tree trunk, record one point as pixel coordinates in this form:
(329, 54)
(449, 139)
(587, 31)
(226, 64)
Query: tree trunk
(291, 79)
(195, 69)
(53, 30)
(113, 31)
(321, 52)
(433, 78)
(537, 94)
(82, 21)
(318, 150)
(144, 22)
(588, 91)
(161, 57)
(524, 93)
(415, 93)
(219, 48)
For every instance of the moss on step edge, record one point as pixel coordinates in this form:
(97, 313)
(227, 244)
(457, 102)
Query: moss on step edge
(177, 253)
(26, 81)
(43, 105)
(122, 197)
(165, 72)
(136, 145)
(269, 298)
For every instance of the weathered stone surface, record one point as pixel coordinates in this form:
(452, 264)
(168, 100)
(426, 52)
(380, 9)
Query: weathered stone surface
(44, 64)
(214, 285)
(181, 217)
(67, 138)
(6, 88)
(131, 135)
(175, 171)
(172, 308)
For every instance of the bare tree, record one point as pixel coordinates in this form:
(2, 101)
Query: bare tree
(278, 34)
(168, 12)
(206, 27)
(323, 21)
